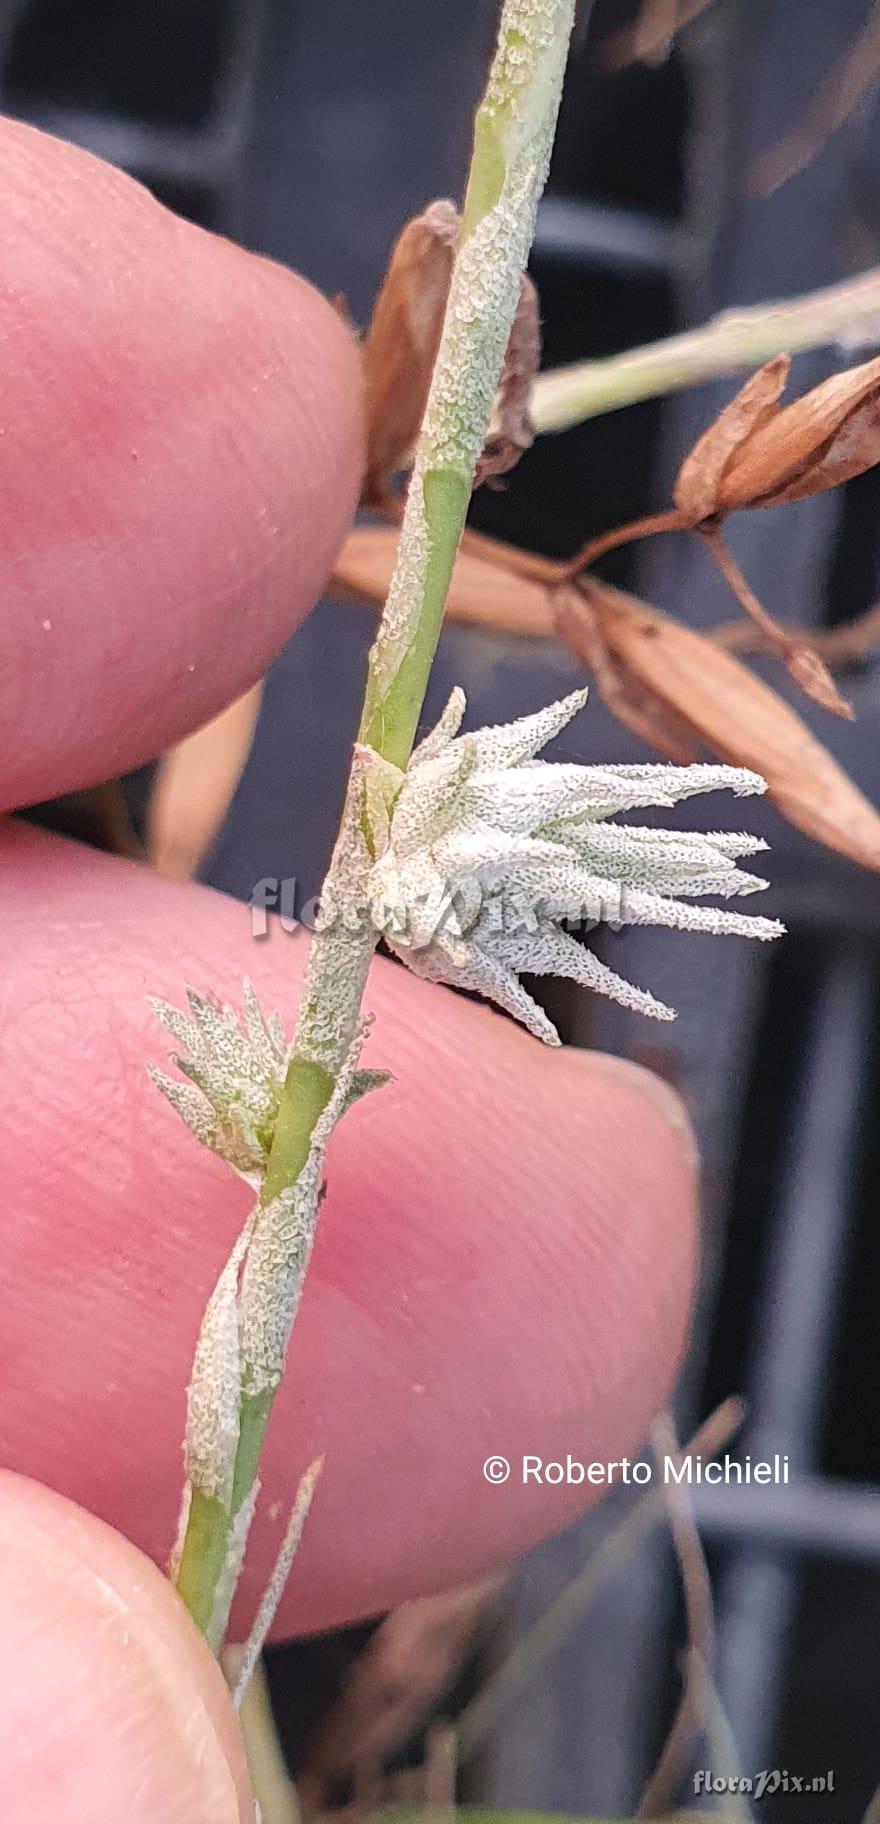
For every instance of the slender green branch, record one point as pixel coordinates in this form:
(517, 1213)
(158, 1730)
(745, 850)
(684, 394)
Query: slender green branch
(513, 137)
(848, 314)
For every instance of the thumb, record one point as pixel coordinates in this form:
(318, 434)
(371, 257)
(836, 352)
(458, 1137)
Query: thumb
(112, 1705)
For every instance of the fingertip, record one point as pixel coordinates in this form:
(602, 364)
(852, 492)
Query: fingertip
(112, 1706)
(504, 1260)
(181, 452)
(647, 1086)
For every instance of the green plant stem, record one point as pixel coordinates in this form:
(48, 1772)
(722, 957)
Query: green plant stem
(391, 711)
(848, 314)
(513, 137)
(203, 1555)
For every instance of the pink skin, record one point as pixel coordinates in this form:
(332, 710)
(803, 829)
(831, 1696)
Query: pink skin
(179, 462)
(505, 1252)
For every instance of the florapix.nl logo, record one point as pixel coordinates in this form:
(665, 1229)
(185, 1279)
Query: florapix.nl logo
(276, 904)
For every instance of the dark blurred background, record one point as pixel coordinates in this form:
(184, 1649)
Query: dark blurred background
(310, 131)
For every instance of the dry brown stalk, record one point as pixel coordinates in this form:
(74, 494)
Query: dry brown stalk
(834, 101)
(699, 1657)
(649, 40)
(410, 1662)
(844, 645)
(800, 655)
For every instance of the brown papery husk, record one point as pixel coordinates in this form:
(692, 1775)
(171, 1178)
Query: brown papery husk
(698, 483)
(818, 442)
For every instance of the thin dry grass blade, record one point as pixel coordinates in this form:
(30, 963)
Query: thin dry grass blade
(526, 1657)
(848, 80)
(872, 1815)
(699, 1658)
(194, 786)
(409, 1664)
(273, 1789)
(649, 40)
(843, 645)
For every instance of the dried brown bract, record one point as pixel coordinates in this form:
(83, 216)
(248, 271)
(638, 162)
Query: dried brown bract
(402, 342)
(511, 431)
(761, 454)
(636, 705)
(401, 347)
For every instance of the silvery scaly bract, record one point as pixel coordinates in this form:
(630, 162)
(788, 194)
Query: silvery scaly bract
(235, 1068)
(488, 850)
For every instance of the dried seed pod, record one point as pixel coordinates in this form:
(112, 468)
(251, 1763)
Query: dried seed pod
(698, 485)
(758, 454)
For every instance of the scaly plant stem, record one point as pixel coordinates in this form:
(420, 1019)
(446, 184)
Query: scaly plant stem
(513, 136)
(848, 314)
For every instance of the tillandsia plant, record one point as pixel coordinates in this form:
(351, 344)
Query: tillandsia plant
(469, 855)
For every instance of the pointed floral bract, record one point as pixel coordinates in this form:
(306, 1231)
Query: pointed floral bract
(491, 852)
(235, 1071)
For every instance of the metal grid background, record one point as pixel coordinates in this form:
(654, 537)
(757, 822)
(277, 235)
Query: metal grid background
(318, 130)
